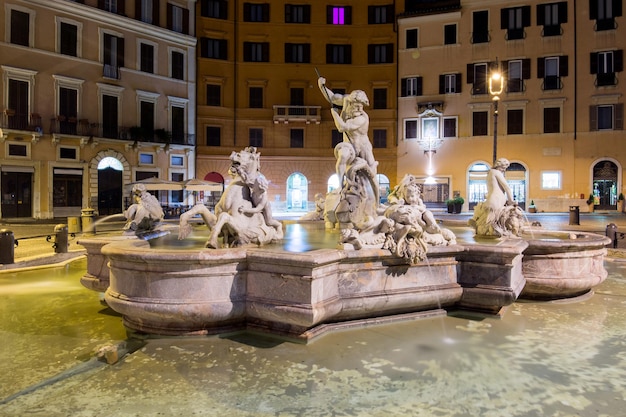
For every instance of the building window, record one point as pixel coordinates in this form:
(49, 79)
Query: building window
(217, 9)
(18, 104)
(449, 127)
(604, 13)
(551, 16)
(605, 65)
(254, 12)
(411, 38)
(213, 48)
(479, 123)
(297, 53)
(255, 136)
(178, 122)
(177, 65)
(109, 116)
(68, 110)
(449, 34)
(336, 138)
(108, 5)
(68, 39)
(551, 120)
(213, 136)
(113, 55)
(449, 83)
(146, 159)
(551, 69)
(606, 117)
(480, 26)
(256, 51)
(18, 150)
(380, 98)
(515, 122)
(20, 28)
(477, 76)
(255, 96)
(380, 54)
(177, 161)
(338, 54)
(297, 13)
(380, 138)
(411, 86)
(514, 20)
(146, 58)
(213, 95)
(380, 14)
(148, 13)
(339, 15)
(515, 72)
(296, 138)
(176, 196)
(551, 180)
(177, 18)
(67, 153)
(410, 129)
(296, 96)
(146, 117)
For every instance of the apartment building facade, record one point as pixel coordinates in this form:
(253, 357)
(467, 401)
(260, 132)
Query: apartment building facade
(560, 116)
(257, 86)
(94, 95)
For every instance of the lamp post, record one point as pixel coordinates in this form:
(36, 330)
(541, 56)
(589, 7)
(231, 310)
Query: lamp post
(496, 85)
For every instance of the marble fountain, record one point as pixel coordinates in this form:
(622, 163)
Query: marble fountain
(369, 263)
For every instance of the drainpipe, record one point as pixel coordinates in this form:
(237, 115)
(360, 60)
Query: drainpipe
(235, 72)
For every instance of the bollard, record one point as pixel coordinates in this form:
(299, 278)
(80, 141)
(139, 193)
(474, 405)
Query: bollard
(73, 225)
(61, 243)
(574, 215)
(611, 233)
(87, 215)
(7, 244)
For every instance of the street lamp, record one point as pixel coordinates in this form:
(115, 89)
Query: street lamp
(496, 85)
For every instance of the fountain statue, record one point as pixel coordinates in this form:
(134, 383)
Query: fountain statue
(411, 227)
(318, 214)
(243, 214)
(499, 215)
(353, 207)
(394, 262)
(144, 215)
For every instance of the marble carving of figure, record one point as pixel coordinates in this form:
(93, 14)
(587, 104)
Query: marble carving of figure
(499, 215)
(144, 213)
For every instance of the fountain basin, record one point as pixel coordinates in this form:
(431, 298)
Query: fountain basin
(563, 264)
(298, 295)
(97, 276)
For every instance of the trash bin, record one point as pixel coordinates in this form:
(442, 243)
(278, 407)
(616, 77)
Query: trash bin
(73, 225)
(611, 233)
(7, 244)
(574, 215)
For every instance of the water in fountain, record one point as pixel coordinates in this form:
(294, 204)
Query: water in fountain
(540, 359)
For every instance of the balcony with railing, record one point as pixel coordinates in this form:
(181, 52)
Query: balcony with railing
(10, 119)
(288, 114)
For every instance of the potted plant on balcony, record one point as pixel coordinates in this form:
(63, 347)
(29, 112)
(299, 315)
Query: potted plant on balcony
(458, 204)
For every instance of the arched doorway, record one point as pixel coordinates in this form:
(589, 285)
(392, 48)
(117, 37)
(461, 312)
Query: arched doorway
(297, 192)
(383, 187)
(605, 185)
(110, 172)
